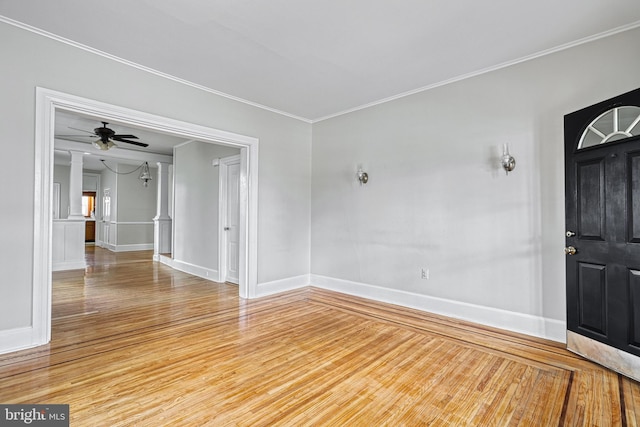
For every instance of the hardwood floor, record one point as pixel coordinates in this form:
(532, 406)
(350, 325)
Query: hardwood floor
(136, 343)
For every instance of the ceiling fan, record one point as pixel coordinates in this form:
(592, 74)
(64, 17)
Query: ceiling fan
(107, 136)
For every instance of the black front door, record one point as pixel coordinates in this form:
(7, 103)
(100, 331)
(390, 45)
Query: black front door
(602, 178)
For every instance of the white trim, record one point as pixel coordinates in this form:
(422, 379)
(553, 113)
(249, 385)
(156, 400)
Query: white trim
(506, 64)
(144, 68)
(111, 155)
(47, 102)
(550, 51)
(109, 246)
(42, 222)
(55, 197)
(68, 265)
(172, 204)
(131, 222)
(283, 285)
(248, 223)
(18, 339)
(196, 270)
(133, 247)
(517, 322)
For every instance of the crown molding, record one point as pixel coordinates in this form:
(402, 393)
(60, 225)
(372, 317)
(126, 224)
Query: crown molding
(539, 54)
(144, 68)
(526, 58)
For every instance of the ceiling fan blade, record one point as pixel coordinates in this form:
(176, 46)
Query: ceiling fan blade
(75, 136)
(140, 144)
(83, 130)
(125, 136)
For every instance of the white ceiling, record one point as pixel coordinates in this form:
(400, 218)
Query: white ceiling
(314, 59)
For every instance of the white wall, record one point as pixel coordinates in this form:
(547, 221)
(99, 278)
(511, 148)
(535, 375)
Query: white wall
(135, 208)
(437, 198)
(61, 175)
(284, 150)
(196, 199)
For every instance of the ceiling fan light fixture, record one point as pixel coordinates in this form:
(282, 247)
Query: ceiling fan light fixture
(100, 145)
(104, 145)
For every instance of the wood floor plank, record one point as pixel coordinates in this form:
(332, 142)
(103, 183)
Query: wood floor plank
(138, 344)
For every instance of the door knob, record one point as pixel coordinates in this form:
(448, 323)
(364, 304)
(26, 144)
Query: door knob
(570, 250)
(226, 229)
(570, 234)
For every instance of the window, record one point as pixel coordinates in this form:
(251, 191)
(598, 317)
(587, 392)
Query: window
(613, 125)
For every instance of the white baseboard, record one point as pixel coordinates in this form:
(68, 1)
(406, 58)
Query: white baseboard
(19, 339)
(125, 248)
(537, 326)
(196, 270)
(68, 265)
(282, 285)
(131, 248)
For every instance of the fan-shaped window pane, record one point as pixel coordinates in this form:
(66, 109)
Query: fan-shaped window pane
(613, 125)
(589, 139)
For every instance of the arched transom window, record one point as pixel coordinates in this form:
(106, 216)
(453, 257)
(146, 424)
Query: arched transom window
(613, 125)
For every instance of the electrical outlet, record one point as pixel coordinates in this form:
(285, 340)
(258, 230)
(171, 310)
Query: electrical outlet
(424, 274)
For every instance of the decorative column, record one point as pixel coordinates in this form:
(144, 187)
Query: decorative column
(68, 235)
(162, 220)
(75, 186)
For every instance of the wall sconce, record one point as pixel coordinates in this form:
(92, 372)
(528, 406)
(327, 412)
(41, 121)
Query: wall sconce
(363, 177)
(145, 175)
(507, 160)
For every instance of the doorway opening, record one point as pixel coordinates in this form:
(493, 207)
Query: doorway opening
(47, 103)
(89, 213)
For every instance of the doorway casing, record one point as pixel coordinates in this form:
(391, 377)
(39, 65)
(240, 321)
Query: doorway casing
(47, 102)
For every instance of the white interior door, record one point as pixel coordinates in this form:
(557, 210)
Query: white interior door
(231, 227)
